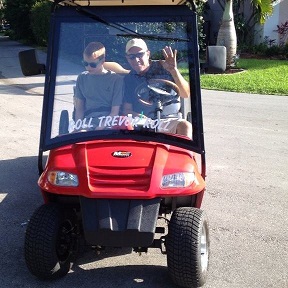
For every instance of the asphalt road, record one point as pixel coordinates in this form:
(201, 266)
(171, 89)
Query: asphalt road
(246, 199)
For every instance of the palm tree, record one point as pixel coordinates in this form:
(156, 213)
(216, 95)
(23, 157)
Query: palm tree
(261, 9)
(227, 34)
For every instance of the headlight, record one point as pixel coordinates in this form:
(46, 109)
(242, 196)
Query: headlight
(181, 179)
(60, 178)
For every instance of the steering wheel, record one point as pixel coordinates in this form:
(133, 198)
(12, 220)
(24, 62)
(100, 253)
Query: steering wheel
(155, 90)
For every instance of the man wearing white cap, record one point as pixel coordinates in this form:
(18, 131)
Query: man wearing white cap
(144, 69)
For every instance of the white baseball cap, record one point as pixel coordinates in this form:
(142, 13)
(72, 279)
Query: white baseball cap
(136, 42)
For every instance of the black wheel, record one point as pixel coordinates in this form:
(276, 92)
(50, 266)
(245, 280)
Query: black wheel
(188, 247)
(64, 122)
(50, 242)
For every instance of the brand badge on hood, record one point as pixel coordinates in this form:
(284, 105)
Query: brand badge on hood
(121, 154)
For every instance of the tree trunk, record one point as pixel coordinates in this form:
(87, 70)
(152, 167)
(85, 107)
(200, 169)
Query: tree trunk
(227, 34)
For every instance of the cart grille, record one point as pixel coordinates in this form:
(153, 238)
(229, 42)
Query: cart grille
(137, 178)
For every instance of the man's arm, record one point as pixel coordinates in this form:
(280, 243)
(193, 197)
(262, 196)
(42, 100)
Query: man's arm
(114, 110)
(128, 109)
(170, 64)
(115, 67)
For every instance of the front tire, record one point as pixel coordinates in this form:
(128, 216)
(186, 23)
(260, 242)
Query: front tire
(50, 242)
(188, 247)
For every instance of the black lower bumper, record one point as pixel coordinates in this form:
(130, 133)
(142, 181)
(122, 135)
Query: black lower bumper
(119, 223)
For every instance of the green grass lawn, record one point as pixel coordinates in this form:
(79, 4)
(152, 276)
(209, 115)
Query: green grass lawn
(260, 77)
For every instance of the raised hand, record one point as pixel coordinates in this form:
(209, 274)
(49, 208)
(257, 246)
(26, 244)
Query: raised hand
(170, 62)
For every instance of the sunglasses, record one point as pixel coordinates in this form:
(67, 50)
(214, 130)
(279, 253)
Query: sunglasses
(134, 56)
(93, 64)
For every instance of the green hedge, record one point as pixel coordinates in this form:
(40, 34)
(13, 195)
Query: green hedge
(28, 19)
(17, 12)
(39, 18)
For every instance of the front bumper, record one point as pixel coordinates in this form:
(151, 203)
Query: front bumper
(119, 223)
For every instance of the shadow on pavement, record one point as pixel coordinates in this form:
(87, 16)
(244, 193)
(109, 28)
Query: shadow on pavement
(19, 197)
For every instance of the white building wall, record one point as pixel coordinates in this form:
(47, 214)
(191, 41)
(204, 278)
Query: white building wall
(270, 26)
(283, 15)
(280, 16)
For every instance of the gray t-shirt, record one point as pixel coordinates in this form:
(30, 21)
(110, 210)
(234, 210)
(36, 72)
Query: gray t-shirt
(100, 92)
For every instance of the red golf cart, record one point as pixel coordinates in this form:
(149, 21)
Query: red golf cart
(109, 187)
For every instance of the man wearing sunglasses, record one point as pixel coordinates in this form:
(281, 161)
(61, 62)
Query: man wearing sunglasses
(143, 70)
(98, 91)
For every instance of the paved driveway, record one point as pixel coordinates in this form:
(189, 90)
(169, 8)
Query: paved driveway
(246, 200)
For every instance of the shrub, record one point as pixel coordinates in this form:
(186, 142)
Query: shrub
(274, 50)
(16, 12)
(285, 50)
(260, 49)
(282, 30)
(39, 18)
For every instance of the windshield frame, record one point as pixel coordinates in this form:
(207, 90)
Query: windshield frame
(124, 14)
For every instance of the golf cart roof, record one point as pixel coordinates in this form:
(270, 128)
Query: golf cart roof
(120, 2)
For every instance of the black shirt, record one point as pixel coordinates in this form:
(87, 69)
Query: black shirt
(137, 92)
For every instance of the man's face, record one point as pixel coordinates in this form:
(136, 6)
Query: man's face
(138, 59)
(94, 63)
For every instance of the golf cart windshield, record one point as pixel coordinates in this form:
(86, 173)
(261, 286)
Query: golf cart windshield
(81, 105)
